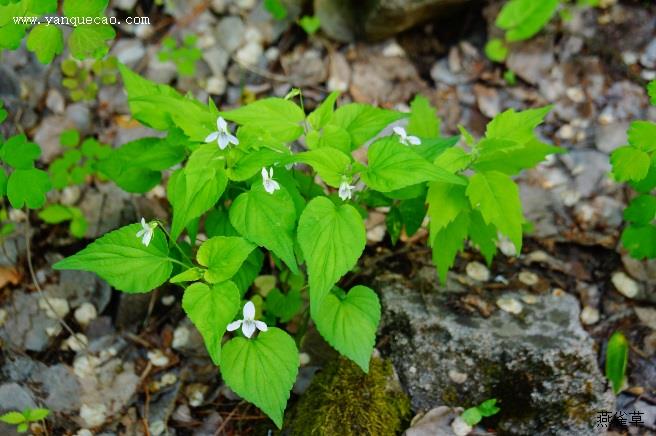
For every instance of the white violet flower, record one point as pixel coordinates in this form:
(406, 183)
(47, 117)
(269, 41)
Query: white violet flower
(147, 231)
(270, 185)
(222, 136)
(345, 190)
(405, 138)
(248, 324)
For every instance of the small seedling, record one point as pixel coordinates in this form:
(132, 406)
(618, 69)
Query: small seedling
(84, 81)
(617, 355)
(310, 24)
(474, 415)
(22, 420)
(58, 213)
(184, 57)
(80, 159)
(276, 9)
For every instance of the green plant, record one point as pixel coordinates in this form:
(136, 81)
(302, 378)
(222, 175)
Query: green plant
(276, 9)
(310, 24)
(80, 160)
(617, 355)
(635, 163)
(249, 193)
(184, 56)
(523, 19)
(57, 213)
(84, 81)
(474, 415)
(23, 419)
(91, 28)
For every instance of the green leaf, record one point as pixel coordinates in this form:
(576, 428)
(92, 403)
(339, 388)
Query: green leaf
(211, 310)
(497, 198)
(28, 187)
(3, 113)
(524, 18)
(471, 416)
(331, 164)
(267, 220)
(394, 224)
(651, 90)
(89, 40)
(195, 189)
(423, 119)
(642, 135)
(22, 428)
(488, 407)
(647, 184)
(332, 238)
(276, 9)
(11, 35)
(363, 122)
(393, 165)
(249, 270)
(640, 240)
(19, 153)
(69, 138)
(3, 182)
(262, 370)
(447, 242)
(445, 203)
(223, 256)
(630, 163)
(349, 324)
(641, 210)
(189, 275)
(331, 137)
(453, 159)
(36, 414)
(46, 41)
(310, 24)
(496, 50)
(324, 112)
(483, 236)
(84, 8)
(120, 258)
(281, 118)
(55, 213)
(251, 163)
(283, 306)
(12, 418)
(413, 212)
(617, 354)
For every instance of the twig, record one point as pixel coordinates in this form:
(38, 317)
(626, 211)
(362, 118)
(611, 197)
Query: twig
(38, 287)
(228, 418)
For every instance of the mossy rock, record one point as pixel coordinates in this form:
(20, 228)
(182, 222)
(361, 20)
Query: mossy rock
(343, 400)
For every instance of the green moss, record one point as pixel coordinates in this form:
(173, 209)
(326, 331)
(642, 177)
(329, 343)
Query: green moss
(342, 400)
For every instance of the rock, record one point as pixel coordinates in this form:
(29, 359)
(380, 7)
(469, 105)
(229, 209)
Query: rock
(229, 33)
(60, 387)
(13, 397)
(85, 314)
(304, 67)
(435, 422)
(378, 19)
(541, 365)
(129, 51)
(216, 59)
(80, 287)
(55, 101)
(460, 427)
(26, 325)
(343, 400)
(339, 75)
(610, 136)
(47, 135)
(625, 285)
(531, 60)
(477, 271)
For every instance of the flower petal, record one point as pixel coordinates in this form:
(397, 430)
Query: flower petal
(212, 137)
(414, 140)
(147, 237)
(248, 328)
(223, 141)
(141, 232)
(400, 131)
(143, 222)
(221, 124)
(261, 326)
(249, 311)
(233, 139)
(234, 325)
(265, 175)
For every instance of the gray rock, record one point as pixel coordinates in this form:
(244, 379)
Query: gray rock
(26, 323)
(79, 287)
(540, 364)
(611, 136)
(346, 20)
(531, 60)
(129, 51)
(216, 59)
(15, 397)
(60, 388)
(229, 33)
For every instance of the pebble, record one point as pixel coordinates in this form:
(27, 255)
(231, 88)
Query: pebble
(54, 330)
(182, 414)
(460, 427)
(625, 285)
(229, 33)
(529, 299)
(57, 309)
(84, 432)
(249, 55)
(509, 305)
(506, 246)
(158, 358)
(70, 195)
(180, 337)
(75, 343)
(85, 366)
(55, 101)
(196, 394)
(168, 300)
(157, 428)
(477, 271)
(457, 377)
(393, 49)
(589, 315)
(529, 278)
(85, 314)
(93, 415)
(216, 85)
(304, 358)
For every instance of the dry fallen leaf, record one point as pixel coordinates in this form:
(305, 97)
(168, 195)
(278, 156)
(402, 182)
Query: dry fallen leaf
(9, 276)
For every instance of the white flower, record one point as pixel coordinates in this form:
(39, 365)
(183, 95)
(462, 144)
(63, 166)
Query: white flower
(345, 190)
(405, 138)
(147, 231)
(248, 324)
(222, 136)
(270, 185)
